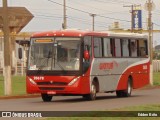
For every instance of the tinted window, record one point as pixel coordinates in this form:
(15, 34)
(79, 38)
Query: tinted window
(117, 48)
(125, 47)
(133, 48)
(88, 44)
(142, 48)
(107, 47)
(97, 47)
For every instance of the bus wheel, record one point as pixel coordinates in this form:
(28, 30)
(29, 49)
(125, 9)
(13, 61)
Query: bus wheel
(119, 93)
(46, 97)
(92, 95)
(127, 92)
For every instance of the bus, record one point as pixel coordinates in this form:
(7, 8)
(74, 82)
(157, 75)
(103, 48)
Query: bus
(77, 62)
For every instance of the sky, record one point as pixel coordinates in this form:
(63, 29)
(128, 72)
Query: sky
(48, 14)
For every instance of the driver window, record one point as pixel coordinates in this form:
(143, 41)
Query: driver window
(88, 44)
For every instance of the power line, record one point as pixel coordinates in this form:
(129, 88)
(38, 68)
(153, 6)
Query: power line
(90, 6)
(50, 16)
(156, 24)
(87, 12)
(97, 8)
(122, 1)
(69, 7)
(113, 2)
(113, 18)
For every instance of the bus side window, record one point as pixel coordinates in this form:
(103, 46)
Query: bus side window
(143, 52)
(125, 48)
(107, 47)
(97, 47)
(112, 41)
(133, 48)
(146, 47)
(117, 47)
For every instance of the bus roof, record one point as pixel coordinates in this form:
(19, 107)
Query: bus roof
(127, 35)
(80, 33)
(68, 33)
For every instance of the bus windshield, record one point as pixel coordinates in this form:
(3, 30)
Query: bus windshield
(61, 53)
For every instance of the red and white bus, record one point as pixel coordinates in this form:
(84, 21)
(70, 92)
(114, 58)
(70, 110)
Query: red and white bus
(75, 62)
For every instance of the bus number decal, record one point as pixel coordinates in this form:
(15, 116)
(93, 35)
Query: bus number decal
(38, 78)
(144, 67)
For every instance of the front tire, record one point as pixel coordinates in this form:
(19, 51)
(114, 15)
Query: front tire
(46, 97)
(92, 95)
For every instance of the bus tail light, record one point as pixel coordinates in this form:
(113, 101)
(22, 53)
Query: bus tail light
(74, 80)
(32, 81)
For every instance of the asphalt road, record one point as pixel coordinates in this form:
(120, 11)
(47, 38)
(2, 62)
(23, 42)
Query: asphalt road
(104, 101)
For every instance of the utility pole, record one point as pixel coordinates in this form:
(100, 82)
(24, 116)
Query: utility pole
(64, 25)
(150, 6)
(7, 51)
(132, 14)
(93, 16)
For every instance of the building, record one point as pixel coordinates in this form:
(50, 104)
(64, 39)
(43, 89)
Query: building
(17, 41)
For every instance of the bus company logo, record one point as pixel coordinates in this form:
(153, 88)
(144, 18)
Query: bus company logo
(108, 65)
(38, 78)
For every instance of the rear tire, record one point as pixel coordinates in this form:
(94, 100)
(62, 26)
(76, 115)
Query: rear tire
(46, 97)
(127, 92)
(119, 93)
(92, 95)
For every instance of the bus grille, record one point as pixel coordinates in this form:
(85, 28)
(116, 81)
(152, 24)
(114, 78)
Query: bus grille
(51, 88)
(52, 83)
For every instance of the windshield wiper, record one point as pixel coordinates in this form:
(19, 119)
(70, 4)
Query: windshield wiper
(45, 59)
(56, 62)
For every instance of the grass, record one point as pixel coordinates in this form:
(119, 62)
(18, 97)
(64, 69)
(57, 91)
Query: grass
(156, 78)
(19, 84)
(134, 109)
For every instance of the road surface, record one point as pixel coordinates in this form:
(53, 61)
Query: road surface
(104, 101)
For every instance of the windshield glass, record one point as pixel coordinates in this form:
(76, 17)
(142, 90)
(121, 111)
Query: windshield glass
(54, 54)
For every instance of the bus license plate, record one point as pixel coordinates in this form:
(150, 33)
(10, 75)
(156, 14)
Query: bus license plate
(51, 92)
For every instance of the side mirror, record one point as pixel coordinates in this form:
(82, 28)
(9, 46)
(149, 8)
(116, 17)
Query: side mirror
(20, 53)
(86, 55)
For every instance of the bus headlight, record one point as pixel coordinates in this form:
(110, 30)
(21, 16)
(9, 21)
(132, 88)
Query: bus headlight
(73, 81)
(32, 81)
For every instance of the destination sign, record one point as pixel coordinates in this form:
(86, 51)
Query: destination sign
(44, 41)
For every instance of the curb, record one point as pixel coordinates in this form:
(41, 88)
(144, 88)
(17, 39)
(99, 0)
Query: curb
(148, 87)
(19, 96)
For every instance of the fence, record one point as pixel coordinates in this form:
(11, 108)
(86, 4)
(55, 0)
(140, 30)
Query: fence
(20, 69)
(156, 65)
